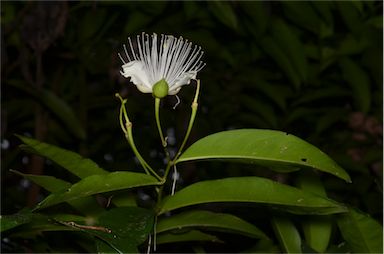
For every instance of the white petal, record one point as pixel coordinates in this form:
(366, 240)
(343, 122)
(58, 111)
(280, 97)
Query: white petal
(183, 79)
(139, 77)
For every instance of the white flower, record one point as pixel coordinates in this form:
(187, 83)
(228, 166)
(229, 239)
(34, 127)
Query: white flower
(154, 59)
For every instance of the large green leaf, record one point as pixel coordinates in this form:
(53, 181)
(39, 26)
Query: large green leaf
(99, 184)
(317, 229)
(36, 222)
(252, 190)
(264, 147)
(287, 234)
(209, 220)
(362, 233)
(14, 220)
(86, 205)
(120, 229)
(71, 161)
(125, 237)
(50, 183)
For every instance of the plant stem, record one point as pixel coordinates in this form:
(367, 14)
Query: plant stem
(158, 124)
(157, 116)
(191, 120)
(173, 161)
(127, 129)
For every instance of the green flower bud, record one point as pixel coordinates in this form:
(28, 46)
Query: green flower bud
(160, 89)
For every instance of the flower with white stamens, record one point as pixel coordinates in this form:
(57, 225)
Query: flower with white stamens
(161, 65)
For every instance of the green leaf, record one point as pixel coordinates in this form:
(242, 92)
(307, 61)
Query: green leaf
(192, 235)
(317, 229)
(262, 109)
(258, 16)
(86, 205)
(35, 222)
(324, 8)
(359, 81)
(362, 233)
(209, 220)
(50, 183)
(264, 147)
(98, 184)
(277, 93)
(251, 190)
(124, 198)
(292, 46)
(224, 12)
(71, 161)
(351, 16)
(329, 119)
(14, 220)
(263, 246)
(138, 222)
(320, 94)
(287, 234)
(56, 105)
(277, 53)
(103, 247)
(64, 112)
(91, 23)
(121, 229)
(351, 45)
(303, 14)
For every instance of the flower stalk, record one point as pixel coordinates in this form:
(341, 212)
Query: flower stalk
(191, 119)
(160, 130)
(127, 129)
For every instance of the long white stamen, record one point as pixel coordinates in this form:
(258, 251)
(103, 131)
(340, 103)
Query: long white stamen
(177, 61)
(133, 52)
(197, 61)
(181, 65)
(170, 57)
(154, 56)
(126, 52)
(180, 60)
(121, 58)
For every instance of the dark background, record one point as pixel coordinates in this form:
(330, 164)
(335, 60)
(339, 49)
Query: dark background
(313, 69)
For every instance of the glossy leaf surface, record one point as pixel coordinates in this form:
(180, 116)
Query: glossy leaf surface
(317, 229)
(120, 237)
(287, 234)
(86, 205)
(98, 184)
(50, 183)
(362, 233)
(209, 220)
(71, 161)
(264, 147)
(14, 220)
(252, 190)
